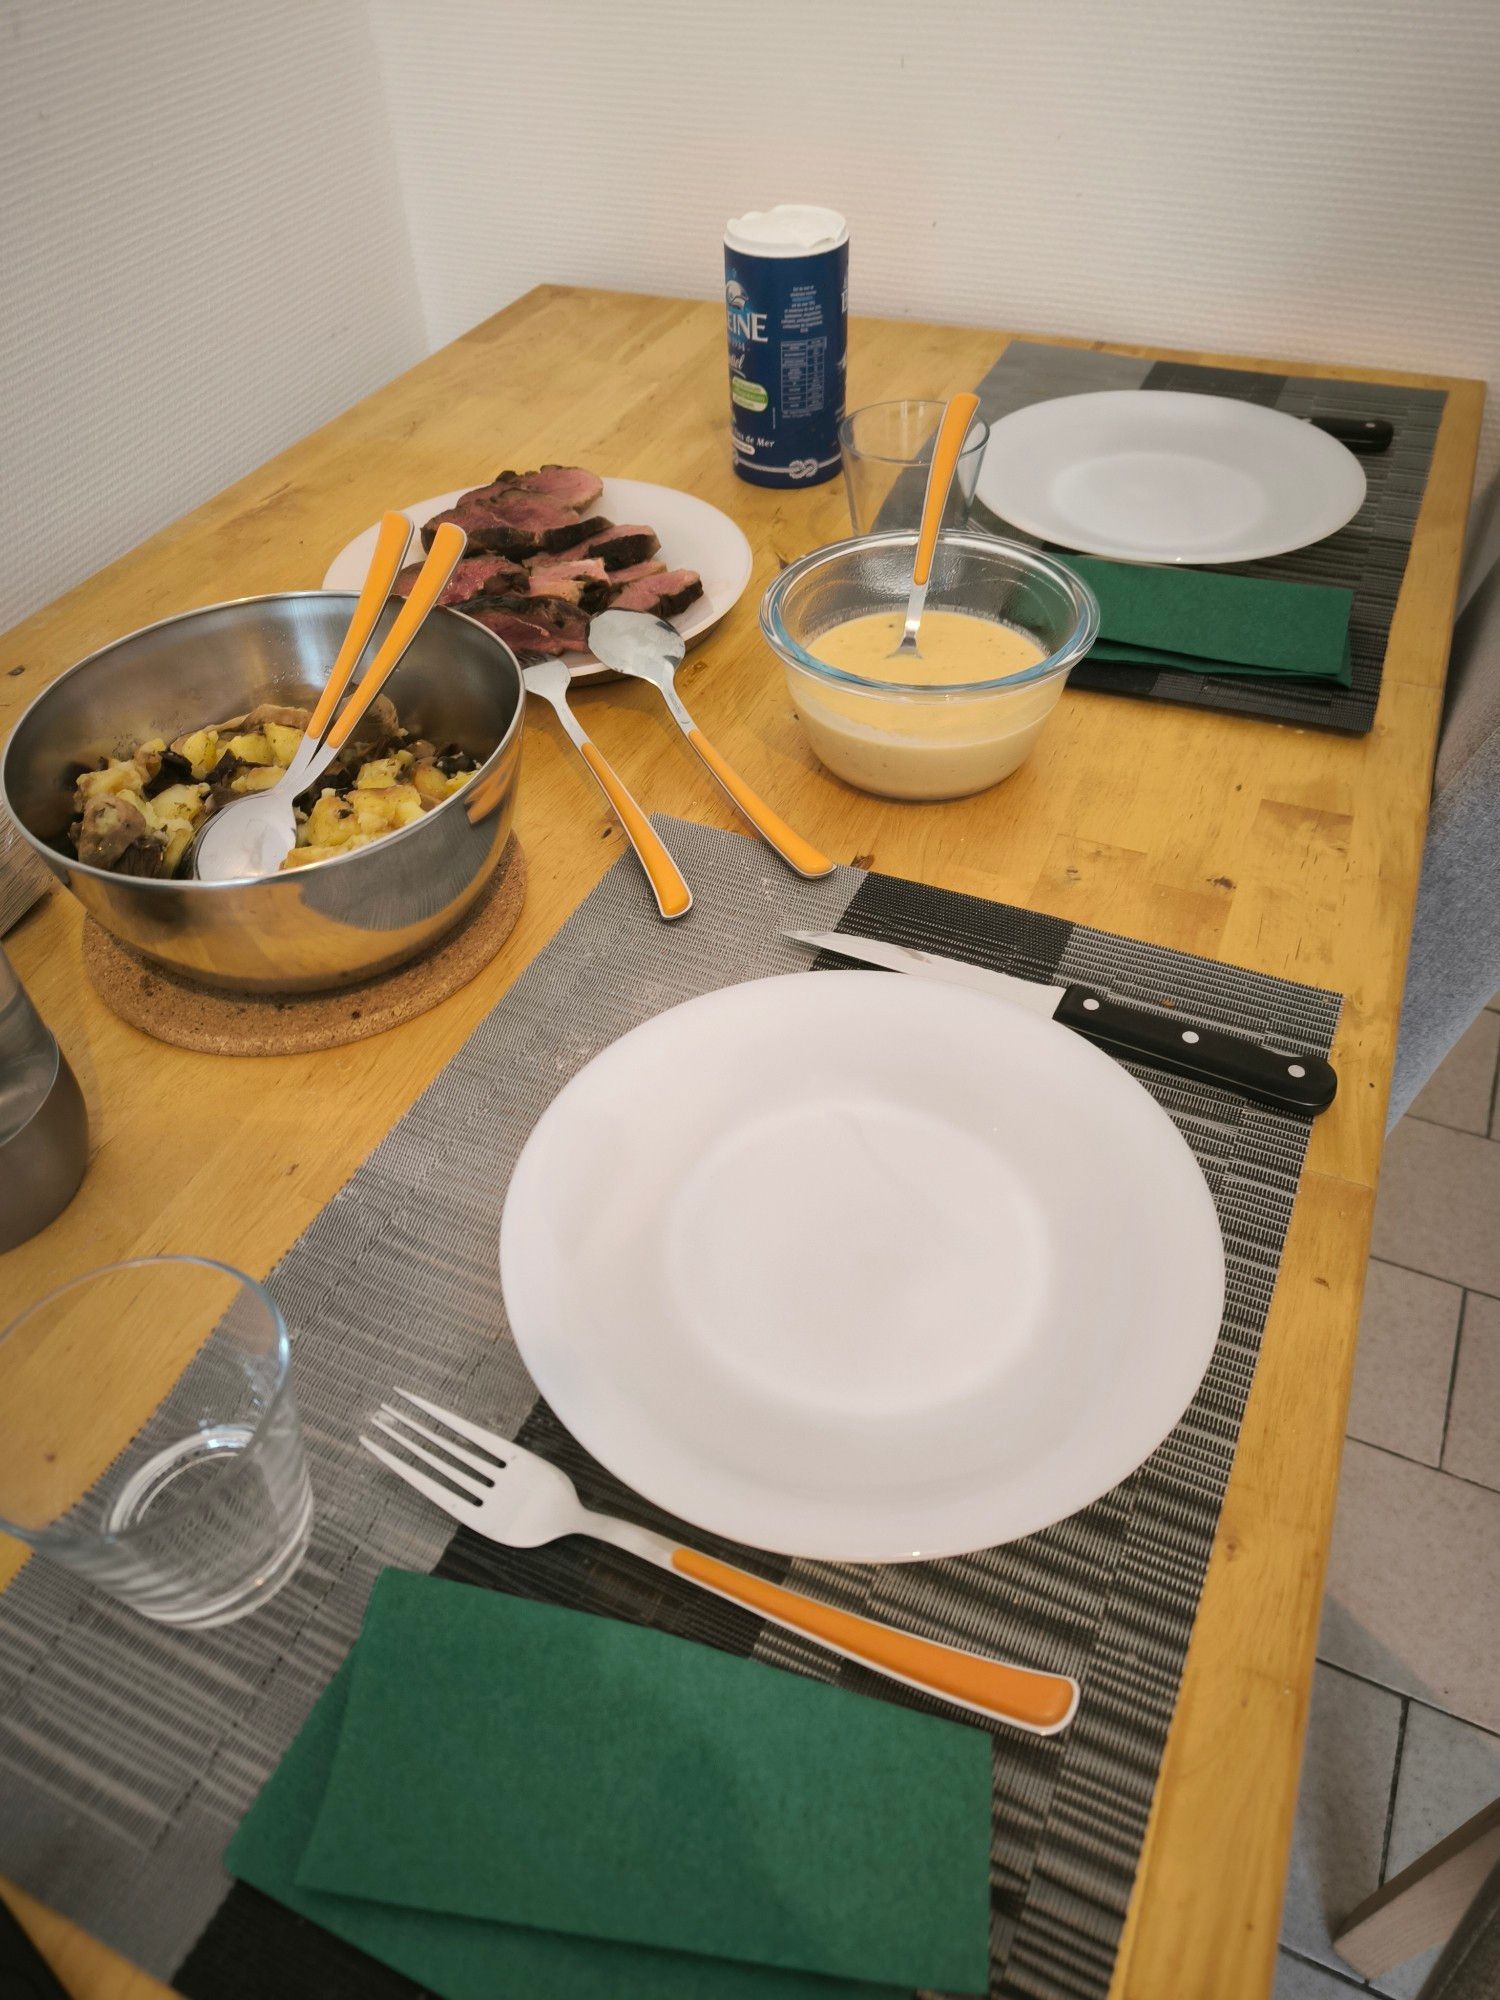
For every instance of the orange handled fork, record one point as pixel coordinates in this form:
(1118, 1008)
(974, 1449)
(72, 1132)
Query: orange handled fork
(509, 1495)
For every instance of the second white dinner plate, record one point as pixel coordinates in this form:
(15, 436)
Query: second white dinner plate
(1155, 475)
(861, 1267)
(693, 535)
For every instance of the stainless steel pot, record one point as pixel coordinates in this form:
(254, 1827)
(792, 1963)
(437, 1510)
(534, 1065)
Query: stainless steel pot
(331, 922)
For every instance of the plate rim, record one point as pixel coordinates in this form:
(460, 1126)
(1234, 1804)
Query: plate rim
(582, 666)
(1116, 552)
(601, 1446)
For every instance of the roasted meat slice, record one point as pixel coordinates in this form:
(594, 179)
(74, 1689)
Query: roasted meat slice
(509, 522)
(472, 578)
(564, 485)
(618, 547)
(523, 634)
(584, 582)
(635, 571)
(664, 595)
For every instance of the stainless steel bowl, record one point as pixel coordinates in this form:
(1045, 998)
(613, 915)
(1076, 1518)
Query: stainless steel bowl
(331, 922)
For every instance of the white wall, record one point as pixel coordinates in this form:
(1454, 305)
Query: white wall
(1313, 177)
(202, 255)
(222, 221)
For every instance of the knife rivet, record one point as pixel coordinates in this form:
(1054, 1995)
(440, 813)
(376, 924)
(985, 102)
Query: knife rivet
(1190, 1034)
(1092, 1006)
(1295, 1069)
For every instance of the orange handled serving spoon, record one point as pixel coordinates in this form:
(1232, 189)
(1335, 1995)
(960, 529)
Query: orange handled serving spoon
(510, 1495)
(644, 648)
(548, 680)
(254, 835)
(949, 443)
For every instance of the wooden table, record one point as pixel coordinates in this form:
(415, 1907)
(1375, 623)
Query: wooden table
(1290, 851)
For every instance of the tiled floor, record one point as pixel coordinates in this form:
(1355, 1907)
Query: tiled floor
(1403, 1743)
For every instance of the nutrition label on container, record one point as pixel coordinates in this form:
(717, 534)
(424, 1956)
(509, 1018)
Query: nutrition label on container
(803, 372)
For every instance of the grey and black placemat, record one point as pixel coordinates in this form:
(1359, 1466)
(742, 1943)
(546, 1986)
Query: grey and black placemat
(1369, 556)
(128, 1752)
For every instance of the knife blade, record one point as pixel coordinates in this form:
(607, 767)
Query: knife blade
(1291, 1081)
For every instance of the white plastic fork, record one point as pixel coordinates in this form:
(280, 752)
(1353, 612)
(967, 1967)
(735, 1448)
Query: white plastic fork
(509, 1495)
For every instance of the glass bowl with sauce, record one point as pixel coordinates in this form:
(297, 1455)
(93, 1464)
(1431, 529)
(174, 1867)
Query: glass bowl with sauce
(1003, 628)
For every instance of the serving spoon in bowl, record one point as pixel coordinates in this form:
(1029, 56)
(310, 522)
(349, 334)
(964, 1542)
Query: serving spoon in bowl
(252, 836)
(947, 446)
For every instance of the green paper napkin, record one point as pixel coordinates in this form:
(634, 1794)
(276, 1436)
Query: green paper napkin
(1201, 622)
(513, 1761)
(460, 1957)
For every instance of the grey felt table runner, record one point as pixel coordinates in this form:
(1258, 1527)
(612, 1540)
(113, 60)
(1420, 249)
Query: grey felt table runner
(1369, 556)
(129, 1752)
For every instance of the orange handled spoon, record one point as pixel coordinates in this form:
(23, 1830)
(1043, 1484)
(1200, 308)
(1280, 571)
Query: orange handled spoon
(254, 836)
(949, 443)
(645, 648)
(548, 680)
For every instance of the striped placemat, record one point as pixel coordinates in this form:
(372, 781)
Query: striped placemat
(129, 1753)
(1369, 556)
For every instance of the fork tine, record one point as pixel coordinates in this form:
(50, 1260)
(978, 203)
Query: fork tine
(502, 1448)
(487, 1466)
(450, 1472)
(441, 1496)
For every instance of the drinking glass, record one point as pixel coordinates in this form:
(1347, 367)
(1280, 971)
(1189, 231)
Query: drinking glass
(207, 1510)
(44, 1127)
(887, 449)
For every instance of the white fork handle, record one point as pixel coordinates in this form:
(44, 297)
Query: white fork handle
(1042, 1703)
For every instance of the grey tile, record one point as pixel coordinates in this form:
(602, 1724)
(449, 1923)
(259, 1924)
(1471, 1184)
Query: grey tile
(1460, 1090)
(1413, 1582)
(1348, 1767)
(1297, 1980)
(1473, 1449)
(1405, 1360)
(1448, 1771)
(1439, 1204)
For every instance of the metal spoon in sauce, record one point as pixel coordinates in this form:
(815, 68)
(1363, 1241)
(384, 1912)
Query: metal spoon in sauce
(952, 432)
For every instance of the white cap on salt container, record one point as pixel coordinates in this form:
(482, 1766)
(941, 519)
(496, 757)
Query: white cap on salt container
(790, 230)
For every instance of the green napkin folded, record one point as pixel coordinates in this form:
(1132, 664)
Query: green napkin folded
(1200, 622)
(498, 1796)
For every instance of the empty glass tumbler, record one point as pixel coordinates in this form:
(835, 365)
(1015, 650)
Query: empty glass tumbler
(887, 450)
(207, 1510)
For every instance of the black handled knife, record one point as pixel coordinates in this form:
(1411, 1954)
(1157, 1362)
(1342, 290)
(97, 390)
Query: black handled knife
(1366, 437)
(1290, 1081)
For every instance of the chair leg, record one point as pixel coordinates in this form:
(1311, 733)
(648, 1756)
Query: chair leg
(1422, 1905)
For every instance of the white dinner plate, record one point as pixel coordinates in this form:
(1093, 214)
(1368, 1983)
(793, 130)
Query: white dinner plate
(693, 535)
(861, 1267)
(1152, 475)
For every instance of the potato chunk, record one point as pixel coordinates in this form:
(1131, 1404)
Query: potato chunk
(251, 748)
(200, 749)
(259, 778)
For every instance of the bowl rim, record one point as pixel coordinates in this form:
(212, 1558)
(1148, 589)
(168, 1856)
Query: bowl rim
(54, 858)
(1066, 657)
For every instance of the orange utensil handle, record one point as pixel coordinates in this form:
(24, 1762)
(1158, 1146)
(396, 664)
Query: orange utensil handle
(1037, 1701)
(950, 442)
(448, 544)
(673, 896)
(793, 849)
(390, 552)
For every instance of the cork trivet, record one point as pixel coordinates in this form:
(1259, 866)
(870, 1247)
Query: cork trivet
(189, 1016)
